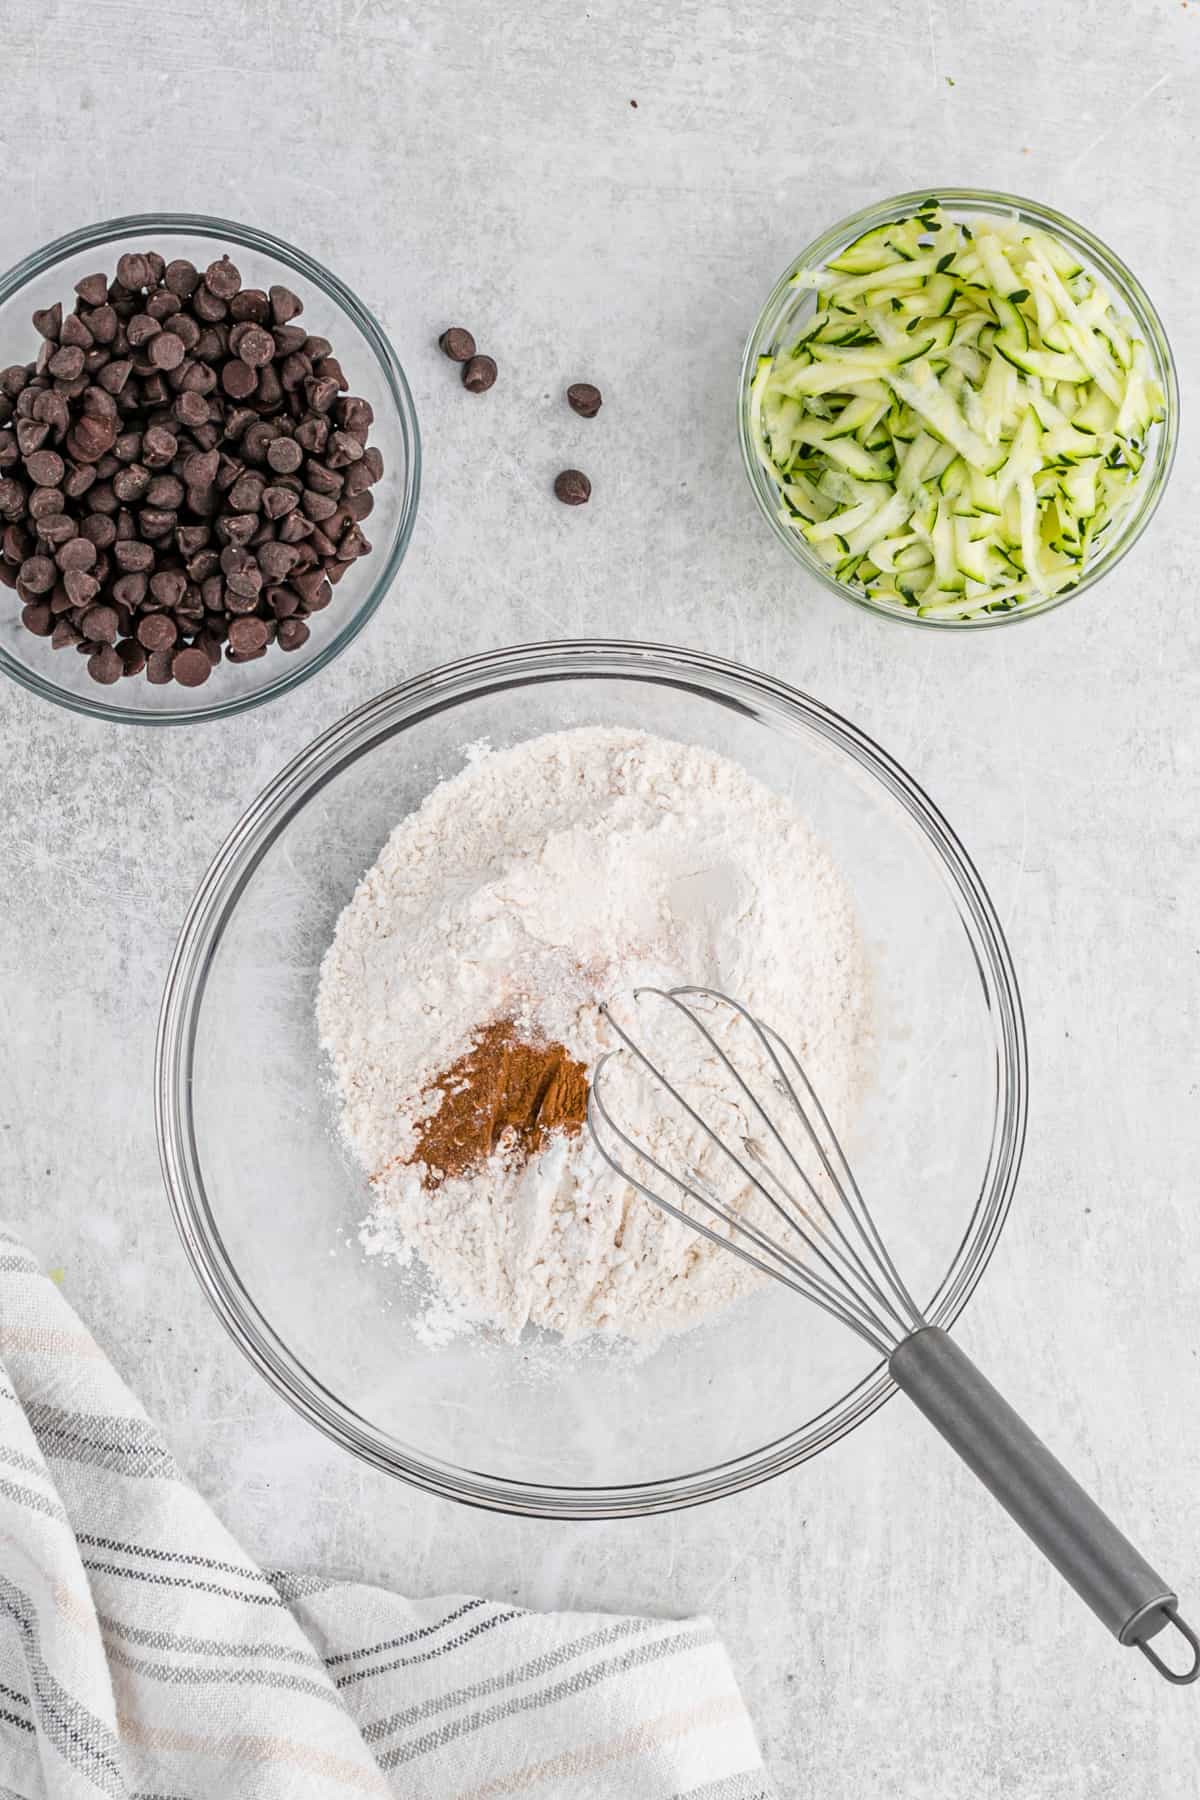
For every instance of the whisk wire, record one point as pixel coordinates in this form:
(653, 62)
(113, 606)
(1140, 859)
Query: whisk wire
(851, 1194)
(797, 1277)
(845, 1289)
(824, 1223)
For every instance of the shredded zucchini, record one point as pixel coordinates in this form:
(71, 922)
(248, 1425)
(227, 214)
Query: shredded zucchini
(961, 420)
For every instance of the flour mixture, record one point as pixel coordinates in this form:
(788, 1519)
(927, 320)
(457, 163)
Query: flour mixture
(459, 1006)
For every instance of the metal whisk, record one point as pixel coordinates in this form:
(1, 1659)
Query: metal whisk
(821, 1241)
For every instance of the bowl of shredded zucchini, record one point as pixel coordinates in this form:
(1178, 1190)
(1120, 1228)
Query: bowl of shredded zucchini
(958, 408)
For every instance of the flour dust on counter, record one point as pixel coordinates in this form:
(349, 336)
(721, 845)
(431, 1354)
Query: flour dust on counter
(459, 1005)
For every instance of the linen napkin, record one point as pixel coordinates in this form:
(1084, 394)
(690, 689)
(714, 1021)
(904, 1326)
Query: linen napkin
(144, 1656)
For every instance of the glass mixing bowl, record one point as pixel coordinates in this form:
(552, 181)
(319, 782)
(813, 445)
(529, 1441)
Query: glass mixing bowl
(330, 310)
(788, 307)
(268, 1200)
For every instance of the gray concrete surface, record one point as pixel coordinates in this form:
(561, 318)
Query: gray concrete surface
(485, 164)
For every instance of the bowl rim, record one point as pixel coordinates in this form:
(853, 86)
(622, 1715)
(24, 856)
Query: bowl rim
(107, 231)
(1130, 292)
(396, 709)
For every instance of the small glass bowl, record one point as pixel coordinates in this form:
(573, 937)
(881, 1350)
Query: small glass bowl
(330, 310)
(268, 1199)
(788, 306)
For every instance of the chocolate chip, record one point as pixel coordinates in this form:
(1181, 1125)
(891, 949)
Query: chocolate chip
(292, 633)
(182, 277)
(252, 304)
(191, 667)
(134, 272)
(131, 483)
(343, 450)
(210, 309)
(191, 409)
(157, 631)
(572, 487)
(320, 392)
(80, 587)
(90, 439)
(159, 447)
(324, 479)
(284, 305)
(354, 414)
(132, 557)
(105, 665)
(49, 323)
(479, 374)
(74, 331)
(114, 375)
(140, 329)
(67, 363)
(168, 587)
(457, 343)
(37, 617)
(55, 529)
(246, 493)
(239, 380)
(158, 667)
(277, 502)
(165, 491)
(247, 635)
(256, 347)
(167, 350)
(584, 399)
(284, 455)
(163, 305)
(93, 290)
(38, 574)
(222, 278)
(77, 553)
(103, 324)
(133, 657)
(99, 623)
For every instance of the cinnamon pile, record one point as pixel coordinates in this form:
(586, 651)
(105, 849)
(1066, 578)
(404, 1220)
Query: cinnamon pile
(503, 1088)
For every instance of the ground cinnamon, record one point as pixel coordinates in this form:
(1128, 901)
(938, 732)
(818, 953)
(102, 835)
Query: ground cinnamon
(504, 1088)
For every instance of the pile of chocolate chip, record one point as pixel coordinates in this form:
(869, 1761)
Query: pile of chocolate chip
(182, 472)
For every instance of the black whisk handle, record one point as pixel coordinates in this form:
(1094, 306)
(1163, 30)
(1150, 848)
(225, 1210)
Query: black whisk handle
(1049, 1505)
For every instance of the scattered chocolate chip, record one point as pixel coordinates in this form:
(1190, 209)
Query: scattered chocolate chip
(458, 344)
(572, 487)
(479, 374)
(584, 399)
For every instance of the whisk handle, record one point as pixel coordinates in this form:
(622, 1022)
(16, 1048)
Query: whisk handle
(1049, 1505)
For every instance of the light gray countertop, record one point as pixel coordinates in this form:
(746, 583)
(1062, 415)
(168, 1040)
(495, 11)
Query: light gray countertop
(485, 165)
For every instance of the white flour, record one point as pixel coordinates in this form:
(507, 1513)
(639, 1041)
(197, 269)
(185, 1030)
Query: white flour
(534, 884)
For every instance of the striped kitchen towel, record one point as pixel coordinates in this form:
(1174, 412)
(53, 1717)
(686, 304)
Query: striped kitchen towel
(143, 1656)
